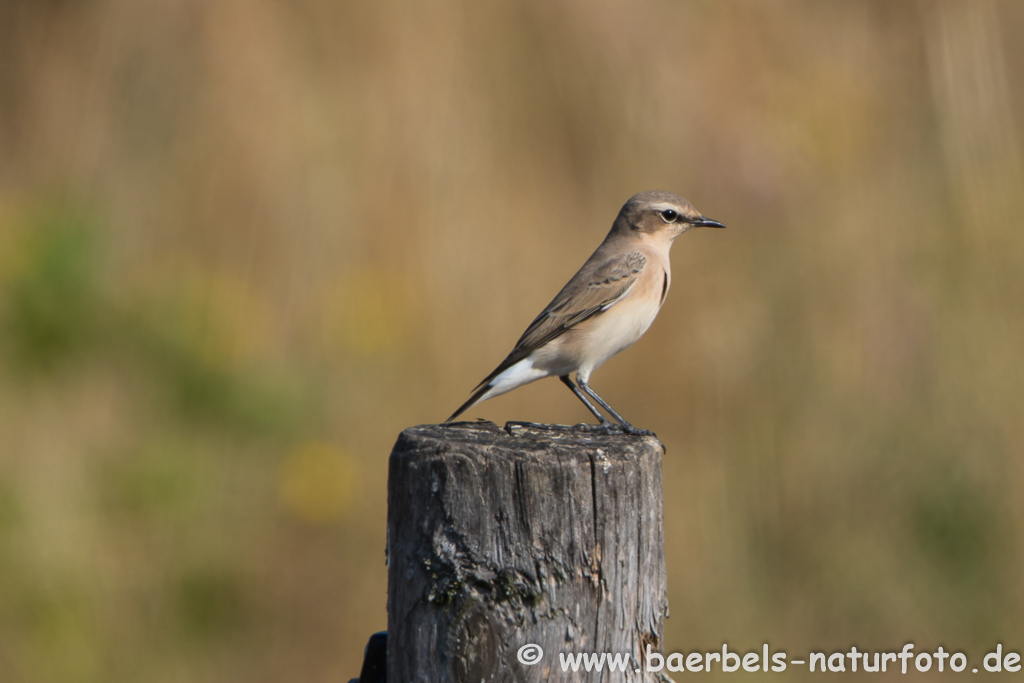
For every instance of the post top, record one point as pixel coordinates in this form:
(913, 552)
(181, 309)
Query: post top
(522, 437)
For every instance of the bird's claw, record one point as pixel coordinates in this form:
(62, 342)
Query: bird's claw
(605, 428)
(610, 428)
(635, 431)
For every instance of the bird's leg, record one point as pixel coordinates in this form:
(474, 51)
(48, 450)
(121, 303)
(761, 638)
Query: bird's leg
(606, 424)
(628, 428)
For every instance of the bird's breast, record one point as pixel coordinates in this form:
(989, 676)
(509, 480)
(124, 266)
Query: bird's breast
(624, 323)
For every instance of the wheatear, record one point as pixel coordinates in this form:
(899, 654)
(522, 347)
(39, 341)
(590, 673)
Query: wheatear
(604, 308)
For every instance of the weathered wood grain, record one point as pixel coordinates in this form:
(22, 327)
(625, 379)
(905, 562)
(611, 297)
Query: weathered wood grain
(529, 534)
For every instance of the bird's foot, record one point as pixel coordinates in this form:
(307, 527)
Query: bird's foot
(636, 431)
(610, 428)
(605, 428)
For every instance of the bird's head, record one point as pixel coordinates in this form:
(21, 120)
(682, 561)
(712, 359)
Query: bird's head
(660, 215)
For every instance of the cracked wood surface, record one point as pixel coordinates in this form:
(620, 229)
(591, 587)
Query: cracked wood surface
(539, 534)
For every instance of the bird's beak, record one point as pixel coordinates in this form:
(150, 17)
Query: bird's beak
(704, 222)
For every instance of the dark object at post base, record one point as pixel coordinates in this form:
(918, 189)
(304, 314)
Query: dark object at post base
(374, 660)
(529, 535)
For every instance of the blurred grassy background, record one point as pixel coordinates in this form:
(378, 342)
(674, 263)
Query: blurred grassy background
(244, 244)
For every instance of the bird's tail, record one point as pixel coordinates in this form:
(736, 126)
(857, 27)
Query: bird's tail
(477, 396)
(504, 378)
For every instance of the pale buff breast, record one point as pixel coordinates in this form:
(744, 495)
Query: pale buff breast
(623, 324)
(587, 346)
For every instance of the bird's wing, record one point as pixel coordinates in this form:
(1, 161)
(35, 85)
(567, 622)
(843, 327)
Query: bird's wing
(599, 285)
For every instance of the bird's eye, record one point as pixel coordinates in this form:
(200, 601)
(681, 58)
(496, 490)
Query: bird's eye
(669, 216)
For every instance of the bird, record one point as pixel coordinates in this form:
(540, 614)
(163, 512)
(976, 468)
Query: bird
(606, 307)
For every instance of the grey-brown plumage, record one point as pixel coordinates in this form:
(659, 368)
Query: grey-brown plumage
(606, 306)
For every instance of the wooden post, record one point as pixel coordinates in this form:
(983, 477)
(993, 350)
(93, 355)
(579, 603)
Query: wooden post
(532, 534)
